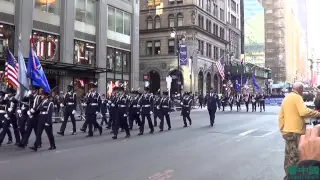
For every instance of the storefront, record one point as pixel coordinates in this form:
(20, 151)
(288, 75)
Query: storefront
(118, 68)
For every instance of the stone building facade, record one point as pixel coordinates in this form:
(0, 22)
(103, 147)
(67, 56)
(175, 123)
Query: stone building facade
(200, 25)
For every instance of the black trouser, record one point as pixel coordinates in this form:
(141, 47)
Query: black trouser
(201, 104)
(104, 118)
(254, 106)
(167, 116)
(247, 106)
(6, 126)
(22, 123)
(48, 129)
(31, 125)
(156, 114)
(186, 116)
(223, 105)
(230, 106)
(212, 114)
(238, 106)
(67, 114)
(144, 116)
(8, 132)
(134, 117)
(122, 122)
(91, 120)
(219, 104)
(262, 106)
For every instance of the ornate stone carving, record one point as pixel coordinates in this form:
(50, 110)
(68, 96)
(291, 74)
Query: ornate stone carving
(193, 17)
(163, 65)
(142, 66)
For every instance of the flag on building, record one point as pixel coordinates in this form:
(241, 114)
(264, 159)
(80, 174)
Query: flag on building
(220, 67)
(36, 73)
(11, 70)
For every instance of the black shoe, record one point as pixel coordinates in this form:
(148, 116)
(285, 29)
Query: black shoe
(114, 137)
(95, 129)
(60, 133)
(185, 125)
(190, 122)
(39, 147)
(141, 133)
(22, 146)
(100, 130)
(169, 128)
(111, 132)
(89, 135)
(9, 142)
(127, 136)
(151, 132)
(52, 148)
(155, 125)
(16, 144)
(33, 148)
(83, 130)
(211, 124)
(160, 130)
(74, 133)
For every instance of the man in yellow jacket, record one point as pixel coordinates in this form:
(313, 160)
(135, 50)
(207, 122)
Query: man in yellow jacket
(292, 124)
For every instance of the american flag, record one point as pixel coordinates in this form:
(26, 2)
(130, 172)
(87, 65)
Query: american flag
(220, 67)
(11, 70)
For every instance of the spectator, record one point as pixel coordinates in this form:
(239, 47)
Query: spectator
(292, 124)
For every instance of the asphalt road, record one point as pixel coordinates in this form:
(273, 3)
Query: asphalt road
(240, 146)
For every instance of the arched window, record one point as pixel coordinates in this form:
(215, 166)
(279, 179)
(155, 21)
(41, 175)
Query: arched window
(180, 19)
(157, 22)
(149, 23)
(171, 20)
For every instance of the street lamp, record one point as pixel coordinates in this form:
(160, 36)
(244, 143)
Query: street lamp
(177, 38)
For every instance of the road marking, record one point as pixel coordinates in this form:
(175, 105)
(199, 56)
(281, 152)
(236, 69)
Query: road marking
(242, 138)
(247, 132)
(269, 133)
(162, 175)
(5, 161)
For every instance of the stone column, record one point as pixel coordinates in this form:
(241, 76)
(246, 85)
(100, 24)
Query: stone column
(101, 43)
(23, 25)
(67, 18)
(135, 44)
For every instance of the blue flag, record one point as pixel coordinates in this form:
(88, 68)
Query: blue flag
(254, 82)
(236, 85)
(22, 77)
(35, 72)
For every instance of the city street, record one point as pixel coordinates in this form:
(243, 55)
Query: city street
(241, 145)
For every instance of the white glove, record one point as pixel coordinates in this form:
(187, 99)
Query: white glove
(46, 124)
(29, 113)
(138, 106)
(9, 109)
(61, 105)
(125, 115)
(32, 110)
(158, 107)
(74, 112)
(151, 112)
(23, 108)
(138, 112)
(97, 112)
(84, 104)
(112, 105)
(29, 93)
(6, 96)
(181, 103)
(19, 111)
(6, 116)
(109, 101)
(169, 112)
(55, 106)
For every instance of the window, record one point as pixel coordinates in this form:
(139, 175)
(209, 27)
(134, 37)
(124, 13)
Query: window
(200, 21)
(171, 46)
(222, 32)
(6, 39)
(157, 22)
(47, 6)
(216, 29)
(209, 50)
(84, 53)
(119, 21)
(180, 19)
(233, 5)
(221, 14)
(149, 22)
(86, 11)
(233, 21)
(208, 25)
(179, 1)
(126, 61)
(171, 1)
(149, 48)
(111, 19)
(46, 45)
(215, 10)
(110, 58)
(209, 6)
(221, 53)
(118, 61)
(171, 20)
(127, 23)
(215, 53)
(269, 11)
(157, 47)
(200, 46)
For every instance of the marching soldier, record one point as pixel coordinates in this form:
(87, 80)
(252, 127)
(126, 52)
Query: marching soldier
(10, 116)
(103, 110)
(45, 110)
(22, 114)
(112, 108)
(156, 111)
(186, 108)
(134, 112)
(247, 100)
(165, 109)
(254, 102)
(262, 102)
(70, 104)
(122, 116)
(92, 105)
(238, 101)
(224, 100)
(3, 106)
(146, 103)
(230, 101)
(32, 121)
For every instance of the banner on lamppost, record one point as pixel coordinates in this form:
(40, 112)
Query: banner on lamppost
(183, 54)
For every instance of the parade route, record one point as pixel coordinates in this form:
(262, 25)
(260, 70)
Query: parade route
(241, 145)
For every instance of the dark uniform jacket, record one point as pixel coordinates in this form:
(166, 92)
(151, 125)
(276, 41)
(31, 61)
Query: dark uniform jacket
(45, 111)
(93, 103)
